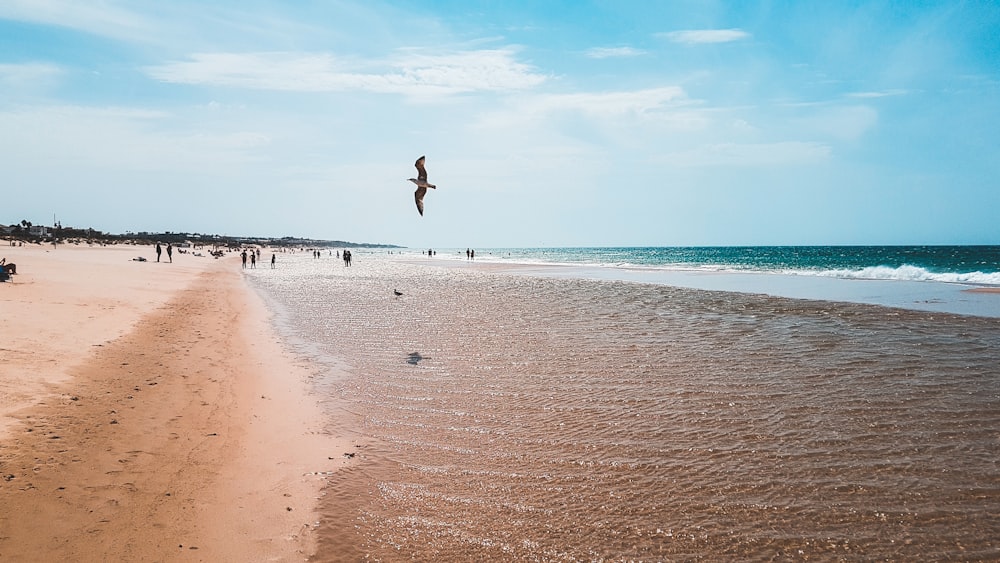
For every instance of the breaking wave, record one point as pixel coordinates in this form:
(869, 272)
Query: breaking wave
(906, 273)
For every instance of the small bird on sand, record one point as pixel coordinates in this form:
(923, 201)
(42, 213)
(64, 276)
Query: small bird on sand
(422, 185)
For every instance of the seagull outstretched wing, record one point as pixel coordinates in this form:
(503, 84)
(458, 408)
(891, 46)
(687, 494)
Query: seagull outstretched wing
(422, 184)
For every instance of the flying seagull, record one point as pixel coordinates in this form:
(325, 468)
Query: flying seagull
(422, 185)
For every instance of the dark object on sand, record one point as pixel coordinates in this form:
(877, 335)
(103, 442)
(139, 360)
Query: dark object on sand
(7, 270)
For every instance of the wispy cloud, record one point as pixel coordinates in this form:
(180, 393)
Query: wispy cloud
(612, 104)
(750, 154)
(840, 123)
(700, 36)
(98, 18)
(877, 94)
(27, 74)
(667, 106)
(409, 73)
(613, 52)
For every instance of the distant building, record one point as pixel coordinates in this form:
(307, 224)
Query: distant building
(38, 231)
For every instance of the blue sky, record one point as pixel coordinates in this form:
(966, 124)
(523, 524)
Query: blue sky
(544, 123)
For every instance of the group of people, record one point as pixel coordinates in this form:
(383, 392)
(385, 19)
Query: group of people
(170, 252)
(254, 255)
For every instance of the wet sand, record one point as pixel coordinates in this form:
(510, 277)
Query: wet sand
(984, 290)
(150, 413)
(535, 418)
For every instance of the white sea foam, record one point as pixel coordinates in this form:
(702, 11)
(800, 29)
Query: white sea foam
(907, 273)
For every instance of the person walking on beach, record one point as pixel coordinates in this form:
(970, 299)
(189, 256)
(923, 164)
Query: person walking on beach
(170, 252)
(158, 252)
(253, 259)
(244, 255)
(272, 260)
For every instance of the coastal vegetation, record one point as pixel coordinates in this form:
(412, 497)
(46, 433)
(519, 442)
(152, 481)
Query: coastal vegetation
(27, 232)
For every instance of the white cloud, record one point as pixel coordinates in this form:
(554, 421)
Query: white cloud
(493, 69)
(99, 18)
(699, 36)
(750, 154)
(410, 73)
(17, 76)
(743, 126)
(877, 94)
(613, 104)
(614, 52)
(633, 121)
(847, 123)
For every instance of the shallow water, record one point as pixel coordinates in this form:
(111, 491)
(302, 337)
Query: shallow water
(537, 419)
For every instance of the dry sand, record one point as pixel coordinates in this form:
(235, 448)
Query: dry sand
(149, 413)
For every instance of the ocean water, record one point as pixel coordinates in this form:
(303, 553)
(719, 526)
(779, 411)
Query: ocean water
(954, 264)
(504, 415)
(929, 278)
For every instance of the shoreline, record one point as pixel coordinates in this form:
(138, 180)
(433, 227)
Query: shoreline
(153, 415)
(929, 296)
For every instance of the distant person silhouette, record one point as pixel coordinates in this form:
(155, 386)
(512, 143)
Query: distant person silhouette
(158, 252)
(170, 252)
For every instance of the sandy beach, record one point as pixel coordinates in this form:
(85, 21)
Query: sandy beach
(149, 413)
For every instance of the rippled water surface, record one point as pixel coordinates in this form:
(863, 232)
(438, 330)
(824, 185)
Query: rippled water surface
(520, 418)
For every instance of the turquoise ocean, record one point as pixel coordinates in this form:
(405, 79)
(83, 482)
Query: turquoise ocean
(956, 264)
